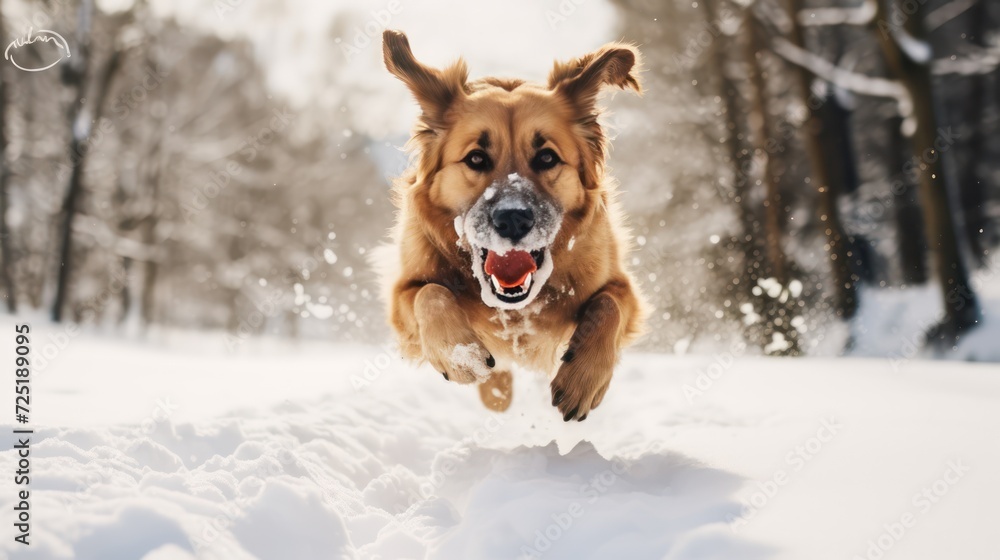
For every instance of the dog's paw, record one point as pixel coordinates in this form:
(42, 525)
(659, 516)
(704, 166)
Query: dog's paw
(446, 339)
(461, 359)
(579, 387)
(497, 391)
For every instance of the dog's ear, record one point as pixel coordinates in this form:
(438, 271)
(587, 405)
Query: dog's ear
(435, 90)
(581, 79)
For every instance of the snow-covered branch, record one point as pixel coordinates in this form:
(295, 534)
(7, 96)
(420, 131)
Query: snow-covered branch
(917, 50)
(850, 81)
(981, 62)
(121, 246)
(946, 13)
(817, 17)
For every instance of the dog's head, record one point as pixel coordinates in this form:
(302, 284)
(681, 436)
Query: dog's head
(505, 167)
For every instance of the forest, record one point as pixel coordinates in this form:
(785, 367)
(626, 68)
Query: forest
(789, 162)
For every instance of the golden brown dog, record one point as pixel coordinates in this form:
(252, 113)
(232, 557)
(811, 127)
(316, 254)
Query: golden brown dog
(511, 244)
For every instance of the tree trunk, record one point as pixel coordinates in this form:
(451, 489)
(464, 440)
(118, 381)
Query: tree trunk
(824, 141)
(739, 158)
(777, 312)
(151, 265)
(961, 307)
(6, 255)
(741, 162)
(81, 127)
(149, 277)
(762, 138)
(906, 211)
(970, 182)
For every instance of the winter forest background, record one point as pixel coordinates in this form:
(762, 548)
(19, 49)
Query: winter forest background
(811, 177)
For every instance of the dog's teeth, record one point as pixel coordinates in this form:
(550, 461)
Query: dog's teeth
(527, 282)
(496, 284)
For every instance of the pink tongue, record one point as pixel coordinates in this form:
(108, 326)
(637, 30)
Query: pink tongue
(511, 268)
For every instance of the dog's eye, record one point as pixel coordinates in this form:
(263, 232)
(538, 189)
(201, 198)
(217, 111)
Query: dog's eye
(544, 160)
(477, 160)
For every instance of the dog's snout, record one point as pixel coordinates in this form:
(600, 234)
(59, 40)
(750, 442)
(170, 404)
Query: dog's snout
(513, 223)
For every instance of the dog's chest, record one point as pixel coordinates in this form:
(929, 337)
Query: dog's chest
(526, 337)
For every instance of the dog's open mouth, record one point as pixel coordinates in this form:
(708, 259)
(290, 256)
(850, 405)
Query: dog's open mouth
(511, 274)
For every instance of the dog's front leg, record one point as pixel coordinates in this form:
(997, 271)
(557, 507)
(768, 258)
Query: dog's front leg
(445, 338)
(603, 327)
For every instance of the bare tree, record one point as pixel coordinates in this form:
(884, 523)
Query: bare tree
(777, 313)
(909, 57)
(971, 177)
(81, 122)
(6, 255)
(906, 209)
(829, 165)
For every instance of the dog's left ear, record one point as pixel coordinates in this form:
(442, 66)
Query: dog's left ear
(435, 90)
(581, 79)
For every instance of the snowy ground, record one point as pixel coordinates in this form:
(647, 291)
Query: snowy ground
(142, 451)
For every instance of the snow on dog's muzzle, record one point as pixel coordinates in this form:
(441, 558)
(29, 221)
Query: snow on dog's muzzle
(508, 231)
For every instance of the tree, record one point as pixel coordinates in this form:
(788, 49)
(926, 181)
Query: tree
(909, 56)
(6, 255)
(906, 210)
(779, 309)
(830, 161)
(81, 122)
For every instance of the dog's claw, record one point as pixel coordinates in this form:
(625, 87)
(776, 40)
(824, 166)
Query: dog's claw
(569, 415)
(445, 375)
(582, 418)
(557, 397)
(490, 361)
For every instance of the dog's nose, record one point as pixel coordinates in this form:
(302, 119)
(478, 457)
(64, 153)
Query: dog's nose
(513, 223)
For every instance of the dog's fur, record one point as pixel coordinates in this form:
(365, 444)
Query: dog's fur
(589, 308)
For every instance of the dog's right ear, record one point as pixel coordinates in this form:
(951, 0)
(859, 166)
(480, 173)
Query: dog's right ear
(435, 90)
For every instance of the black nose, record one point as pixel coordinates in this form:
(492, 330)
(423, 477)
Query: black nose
(513, 223)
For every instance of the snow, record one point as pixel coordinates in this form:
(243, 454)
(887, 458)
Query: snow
(174, 448)
(916, 50)
(514, 192)
(860, 15)
(472, 357)
(892, 322)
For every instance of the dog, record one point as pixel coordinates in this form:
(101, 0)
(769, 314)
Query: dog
(511, 246)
